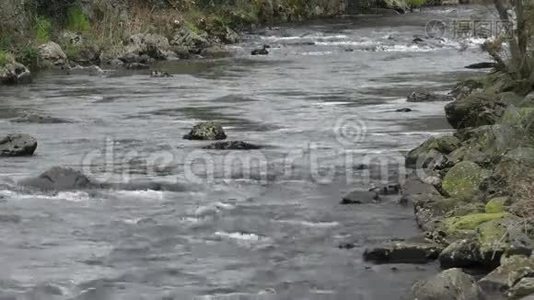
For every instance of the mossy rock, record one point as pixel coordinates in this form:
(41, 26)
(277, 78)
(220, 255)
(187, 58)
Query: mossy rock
(496, 205)
(475, 110)
(463, 180)
(470, 222)
(431, 150)
(206, 131)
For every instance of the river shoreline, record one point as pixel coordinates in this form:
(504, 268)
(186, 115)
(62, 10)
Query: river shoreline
(286, 232)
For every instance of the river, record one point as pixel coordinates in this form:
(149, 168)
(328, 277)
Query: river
(193, 223)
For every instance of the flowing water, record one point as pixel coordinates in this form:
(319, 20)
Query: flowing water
(195, 224)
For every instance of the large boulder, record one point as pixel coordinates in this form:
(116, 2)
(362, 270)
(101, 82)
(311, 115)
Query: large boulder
(475, 110)
(192, 41)
(511, 270)
(52, 54)
(431, 151)
(14, 73)
(17, 145)
(463, 253)
(463, 180)
(452, 284)
(59, 179)
(153, 45)
(206, 131)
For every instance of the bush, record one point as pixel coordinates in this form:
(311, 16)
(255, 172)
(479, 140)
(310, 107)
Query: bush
(28, 56)
(76, 20)
(4, 58)
(43, 28)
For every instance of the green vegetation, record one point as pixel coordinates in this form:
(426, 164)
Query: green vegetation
(77, 21)
(43, 29)
(5, 58)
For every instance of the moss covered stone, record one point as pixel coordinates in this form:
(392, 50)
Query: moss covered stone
(471, 221)
(496, 205)
(462, 180)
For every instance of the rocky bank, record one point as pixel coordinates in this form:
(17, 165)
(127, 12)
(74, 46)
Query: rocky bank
(473, 195)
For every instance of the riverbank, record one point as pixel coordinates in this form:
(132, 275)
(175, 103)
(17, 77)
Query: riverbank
(73, 34)
(36, 35)
(473, 193)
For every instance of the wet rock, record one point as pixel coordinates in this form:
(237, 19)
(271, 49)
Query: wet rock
(89, 70)
(232, 145)
(52, 54)
(511, 270)
(482, 65)
(17, 145)
(425, 96)
(523, 288)
(14, 73)
(39, 119)
(192, 41)
(386, 190)
(360, 197)
(462, 253)
(59, 179)
(153, 45)
(428, 202)
(260, 51)
(412, 252)
(467, 87)
(463, 180)
(137, 66)
(159, 74)
(431, 152)
(206, 131)
(452, 284)
(406, 109)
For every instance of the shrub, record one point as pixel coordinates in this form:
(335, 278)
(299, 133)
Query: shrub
(43, 28)
(4, 58)
(28, 56)
(76, 20)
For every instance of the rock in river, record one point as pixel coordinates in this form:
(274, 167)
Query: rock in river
(403, 252)
(206, 131)
(14, 73)
(232, 145)
(59, 179)
(452, 284)
(360, 197)
(425, 96)
(17, 145)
